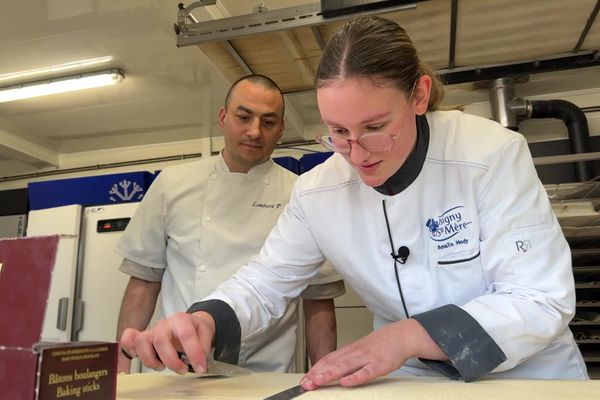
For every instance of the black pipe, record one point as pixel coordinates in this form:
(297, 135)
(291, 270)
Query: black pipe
(576, 122)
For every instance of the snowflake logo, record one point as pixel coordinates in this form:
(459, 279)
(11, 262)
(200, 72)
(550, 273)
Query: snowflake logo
(124, 192)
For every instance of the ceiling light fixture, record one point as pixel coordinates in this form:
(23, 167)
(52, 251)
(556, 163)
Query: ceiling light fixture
(56, 70)
(60, 85)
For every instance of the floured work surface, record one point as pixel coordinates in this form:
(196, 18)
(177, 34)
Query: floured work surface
(260, 385)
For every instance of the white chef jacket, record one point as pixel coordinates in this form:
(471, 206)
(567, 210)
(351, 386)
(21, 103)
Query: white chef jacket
(199, 223)
(481, 233)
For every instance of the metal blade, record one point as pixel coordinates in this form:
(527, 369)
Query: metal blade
(224, 369)
(287, 394)
(217, 368)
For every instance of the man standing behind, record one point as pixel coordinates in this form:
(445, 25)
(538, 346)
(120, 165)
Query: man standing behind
(200, 221)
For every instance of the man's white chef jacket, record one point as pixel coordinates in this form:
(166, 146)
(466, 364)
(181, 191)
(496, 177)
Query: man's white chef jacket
(489, 272)
(198, 223)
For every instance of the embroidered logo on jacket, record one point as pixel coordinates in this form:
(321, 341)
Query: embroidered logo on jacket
(523, 246)
(447, 225)
(266, 205)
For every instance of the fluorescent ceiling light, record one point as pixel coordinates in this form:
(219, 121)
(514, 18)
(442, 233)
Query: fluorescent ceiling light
(56, 69)
(60, 85)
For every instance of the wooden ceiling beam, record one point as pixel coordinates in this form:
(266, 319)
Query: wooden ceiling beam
(297, 54)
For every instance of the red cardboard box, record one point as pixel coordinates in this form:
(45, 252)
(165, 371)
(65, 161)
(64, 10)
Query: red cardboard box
(82, 370)
(30, 370)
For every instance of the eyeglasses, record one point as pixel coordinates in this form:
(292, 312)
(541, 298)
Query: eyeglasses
(371, 142)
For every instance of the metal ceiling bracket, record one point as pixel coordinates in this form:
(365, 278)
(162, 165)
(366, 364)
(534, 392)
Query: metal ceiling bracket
(185, 12)
(190, 33)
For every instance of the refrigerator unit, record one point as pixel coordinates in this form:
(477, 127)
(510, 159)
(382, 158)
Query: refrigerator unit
(63, 221)
(100, 285)
(87, 287)
(89, 214)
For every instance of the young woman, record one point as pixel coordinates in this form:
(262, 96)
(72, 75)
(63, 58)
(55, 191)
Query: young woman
(437, 220)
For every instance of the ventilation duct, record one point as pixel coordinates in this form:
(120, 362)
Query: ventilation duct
(509, 110)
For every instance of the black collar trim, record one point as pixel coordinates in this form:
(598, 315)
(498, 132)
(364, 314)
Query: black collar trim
(410, 170)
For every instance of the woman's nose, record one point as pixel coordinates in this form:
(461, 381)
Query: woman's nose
(357, 153)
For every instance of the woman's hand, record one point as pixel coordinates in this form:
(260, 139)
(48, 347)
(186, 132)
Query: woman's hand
(157, 348)
(376, 354)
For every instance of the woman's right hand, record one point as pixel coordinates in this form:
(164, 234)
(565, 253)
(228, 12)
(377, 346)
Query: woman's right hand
(157, 348)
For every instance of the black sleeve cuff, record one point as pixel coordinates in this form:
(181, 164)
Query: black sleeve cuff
(471, 350)
(228, 332)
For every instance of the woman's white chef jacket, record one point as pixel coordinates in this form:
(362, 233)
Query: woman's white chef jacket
(486, 252)
(199, 223)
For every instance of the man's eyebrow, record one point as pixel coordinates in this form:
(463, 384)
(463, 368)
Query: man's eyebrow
(246, 110)
(270, 114)
(252, 112)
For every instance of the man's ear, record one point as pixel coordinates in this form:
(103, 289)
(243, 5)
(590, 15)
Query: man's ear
(421, 94)
(222, 113)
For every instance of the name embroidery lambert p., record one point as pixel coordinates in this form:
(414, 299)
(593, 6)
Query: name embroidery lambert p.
(447, 225)
(266, 205)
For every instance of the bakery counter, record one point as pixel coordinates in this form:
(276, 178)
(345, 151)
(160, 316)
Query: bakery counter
(258, 386)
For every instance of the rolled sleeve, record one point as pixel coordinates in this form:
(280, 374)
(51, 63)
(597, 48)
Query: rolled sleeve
(227, 329)
(327, 284)
(140, 271)
(327, 274)
(324, 292)
(471, 350)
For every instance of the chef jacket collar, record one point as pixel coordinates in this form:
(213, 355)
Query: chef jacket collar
(413, 165)
(258, 170)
